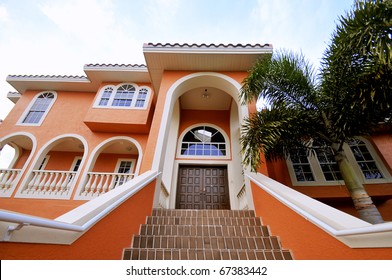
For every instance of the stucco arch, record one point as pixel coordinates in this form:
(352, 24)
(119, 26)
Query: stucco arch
(164, 147)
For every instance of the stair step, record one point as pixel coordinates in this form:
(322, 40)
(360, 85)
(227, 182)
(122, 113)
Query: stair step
(205, 254)
(172, 234)
(203, 213)
(204, 230)
(207, 242)
(224, 221)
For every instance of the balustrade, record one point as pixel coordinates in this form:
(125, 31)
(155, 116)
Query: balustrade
(99, 183)
(8, 179)
(49, 183)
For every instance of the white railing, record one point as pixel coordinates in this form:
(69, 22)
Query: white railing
(18, 227)
(242, 199)
(164, 197)
(8, 179)
(99, 183)
(49, 183)
(348, 229)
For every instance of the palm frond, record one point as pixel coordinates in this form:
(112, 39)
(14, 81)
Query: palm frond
(274, 132)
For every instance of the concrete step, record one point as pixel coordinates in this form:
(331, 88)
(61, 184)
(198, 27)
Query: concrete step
(205, 254)
(204, 230)
(207, 242)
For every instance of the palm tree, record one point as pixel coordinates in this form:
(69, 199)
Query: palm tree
(349, 98)
(299, 114)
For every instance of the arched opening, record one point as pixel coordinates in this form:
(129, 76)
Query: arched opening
(197, 99)
(113, 163)
(56, 169)
(15, 154)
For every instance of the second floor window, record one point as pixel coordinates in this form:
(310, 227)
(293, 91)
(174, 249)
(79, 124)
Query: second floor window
(123, 96)
(321, 167)
(38, 109)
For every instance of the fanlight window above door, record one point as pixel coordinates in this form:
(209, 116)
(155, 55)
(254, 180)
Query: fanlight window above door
(203, 141)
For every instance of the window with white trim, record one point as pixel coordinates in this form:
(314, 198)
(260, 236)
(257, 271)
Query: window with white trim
(203, 141)
(365, 160)
(38, 109)
(123, 96)
(321, 167)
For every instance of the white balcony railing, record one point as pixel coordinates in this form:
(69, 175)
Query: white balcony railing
(8, 180)
(99, 183)
(49, 183)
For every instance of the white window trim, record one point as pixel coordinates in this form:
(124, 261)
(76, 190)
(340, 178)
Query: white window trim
(227, 142)
(115, 87)
(74, 163)
(132, 171)
(27, 110)
(319, 175)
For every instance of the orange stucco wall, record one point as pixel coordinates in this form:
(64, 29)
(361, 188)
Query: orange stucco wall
(305, 240)
(105, 241)
(65, 117)
(108, 162)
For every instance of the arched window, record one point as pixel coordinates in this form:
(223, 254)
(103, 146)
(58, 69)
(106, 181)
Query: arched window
(123, 96)
(203, 141)
(105, 97)
(141, 98)
(38, 109)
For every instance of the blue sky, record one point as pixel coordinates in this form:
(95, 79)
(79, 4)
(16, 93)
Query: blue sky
(57, 37)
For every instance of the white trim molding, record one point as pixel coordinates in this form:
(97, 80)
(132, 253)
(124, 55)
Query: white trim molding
(348, 229)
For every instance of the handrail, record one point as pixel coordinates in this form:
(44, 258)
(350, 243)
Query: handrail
(27, 220)
(368, 229)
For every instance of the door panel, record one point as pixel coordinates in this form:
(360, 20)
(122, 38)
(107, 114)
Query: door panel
(202, 188)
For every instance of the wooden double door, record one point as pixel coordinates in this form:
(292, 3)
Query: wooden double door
(202, 187)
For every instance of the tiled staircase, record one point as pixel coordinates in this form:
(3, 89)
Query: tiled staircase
(205, 235)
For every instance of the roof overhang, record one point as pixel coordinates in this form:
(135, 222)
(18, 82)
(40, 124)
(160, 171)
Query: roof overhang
(159, 58)
(185, 57)
(96, 74)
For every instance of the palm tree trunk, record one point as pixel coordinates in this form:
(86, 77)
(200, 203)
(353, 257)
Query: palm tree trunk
(362, 201)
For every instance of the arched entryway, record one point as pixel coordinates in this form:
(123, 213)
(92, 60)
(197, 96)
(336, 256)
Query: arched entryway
(196, 100)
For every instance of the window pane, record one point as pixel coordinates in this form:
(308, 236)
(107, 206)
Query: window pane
(39, 107)
(365, 160)
(301, 165)
(124, 96)
(203, 141)
(327, 161)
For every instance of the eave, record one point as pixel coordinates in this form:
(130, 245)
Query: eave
(203, 57)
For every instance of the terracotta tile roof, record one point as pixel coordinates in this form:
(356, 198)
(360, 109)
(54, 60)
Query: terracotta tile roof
(54, 77)
(210, 46)
(93, 65)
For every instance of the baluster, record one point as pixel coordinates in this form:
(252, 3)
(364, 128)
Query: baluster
(106, 185)
(61, 185)
(47, 183)
(52, 183)
(93, 185)
(11, 179)
(32, 183)
(99, 185)
(42, 181)
(4, 179)
(88, 184)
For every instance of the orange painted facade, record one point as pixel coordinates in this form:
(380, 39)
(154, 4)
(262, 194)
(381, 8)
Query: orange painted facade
(115, 144)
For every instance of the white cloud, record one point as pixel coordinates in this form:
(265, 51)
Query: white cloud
(3, 14)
